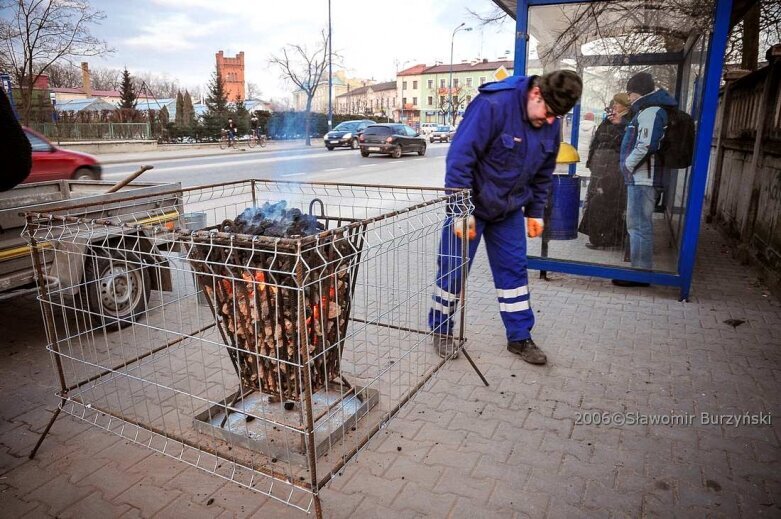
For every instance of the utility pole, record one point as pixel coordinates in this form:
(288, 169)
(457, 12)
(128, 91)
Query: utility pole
(450, 81)
(330, 71)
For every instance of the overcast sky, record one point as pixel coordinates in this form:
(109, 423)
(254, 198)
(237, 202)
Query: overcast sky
(179, 38)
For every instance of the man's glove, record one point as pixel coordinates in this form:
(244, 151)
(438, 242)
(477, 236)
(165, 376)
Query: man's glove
(471, 227)
(534, 227)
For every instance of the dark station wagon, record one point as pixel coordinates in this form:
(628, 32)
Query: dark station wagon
(391, 139)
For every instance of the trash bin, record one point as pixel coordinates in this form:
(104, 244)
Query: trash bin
(564, 208)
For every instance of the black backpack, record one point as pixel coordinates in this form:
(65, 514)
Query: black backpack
(676, 148)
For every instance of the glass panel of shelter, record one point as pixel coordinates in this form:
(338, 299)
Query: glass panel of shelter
(607, 43)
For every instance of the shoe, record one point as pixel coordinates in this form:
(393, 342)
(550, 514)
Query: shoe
(528, 351)
(444, 345)
(593, 247)
(622, 283)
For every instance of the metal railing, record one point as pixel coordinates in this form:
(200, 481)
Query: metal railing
(64, 131)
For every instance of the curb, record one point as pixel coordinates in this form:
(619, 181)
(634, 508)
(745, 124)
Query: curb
(188, 154)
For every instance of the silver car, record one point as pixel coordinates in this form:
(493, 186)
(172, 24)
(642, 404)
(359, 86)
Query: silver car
(442, 133)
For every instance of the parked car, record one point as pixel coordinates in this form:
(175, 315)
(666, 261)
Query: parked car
(427, 128)
(443, 133)
(54, 163)
(391, 139)
(346, 134)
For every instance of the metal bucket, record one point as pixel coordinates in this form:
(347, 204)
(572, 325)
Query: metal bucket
(562, 223)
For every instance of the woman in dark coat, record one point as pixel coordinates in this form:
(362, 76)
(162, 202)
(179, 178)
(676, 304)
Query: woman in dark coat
(603, 213)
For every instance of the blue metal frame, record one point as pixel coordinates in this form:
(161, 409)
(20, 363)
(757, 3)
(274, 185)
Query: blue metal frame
(699, 171)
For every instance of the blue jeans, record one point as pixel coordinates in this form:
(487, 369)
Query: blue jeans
(640, 201)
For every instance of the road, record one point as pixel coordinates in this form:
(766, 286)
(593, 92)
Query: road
(318, 164)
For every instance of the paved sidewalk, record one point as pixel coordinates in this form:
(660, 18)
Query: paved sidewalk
(463, 450)
(202, 150)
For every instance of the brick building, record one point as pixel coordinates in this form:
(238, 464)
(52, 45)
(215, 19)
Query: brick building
(232, 72)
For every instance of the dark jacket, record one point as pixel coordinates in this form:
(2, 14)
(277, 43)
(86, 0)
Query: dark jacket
(496, 152)
(15, 150)
(639, 163)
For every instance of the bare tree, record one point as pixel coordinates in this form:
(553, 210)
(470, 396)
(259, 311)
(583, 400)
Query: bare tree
(64, 75)
(106, 78)
(759, 29)
(305, 70)
(39, 33)
(253, 90)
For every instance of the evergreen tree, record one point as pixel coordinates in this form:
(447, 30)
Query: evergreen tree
(241, 116)
(187, 108)
(127, 92)
(216, 104)
(179, 118)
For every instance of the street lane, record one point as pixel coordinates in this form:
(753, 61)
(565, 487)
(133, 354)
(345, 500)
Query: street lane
(340, 165)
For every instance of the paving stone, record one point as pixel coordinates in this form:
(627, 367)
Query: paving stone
(94, 505)
(364, 483)
(148, 497)
(413, 471)
(15, 506)
(508, 495)
(111, 481)
(184, 508)
(455, 482)
(423, 501)
(59, 493)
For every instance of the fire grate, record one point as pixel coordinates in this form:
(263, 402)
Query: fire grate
(307, 346)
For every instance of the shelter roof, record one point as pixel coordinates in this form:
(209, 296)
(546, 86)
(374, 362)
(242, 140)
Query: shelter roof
(92, 104)
(470, 67)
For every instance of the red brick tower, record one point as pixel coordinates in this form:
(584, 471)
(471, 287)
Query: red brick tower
(232, 72)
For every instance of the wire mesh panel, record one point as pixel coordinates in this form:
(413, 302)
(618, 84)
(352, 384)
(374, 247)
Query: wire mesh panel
(264, 354)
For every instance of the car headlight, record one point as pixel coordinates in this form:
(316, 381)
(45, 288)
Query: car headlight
(347, 136)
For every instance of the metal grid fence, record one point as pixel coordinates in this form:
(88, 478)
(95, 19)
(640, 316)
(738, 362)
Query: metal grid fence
(269, 362)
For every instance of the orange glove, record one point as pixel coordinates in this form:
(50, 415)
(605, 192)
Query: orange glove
(534, 227)
(471, 227)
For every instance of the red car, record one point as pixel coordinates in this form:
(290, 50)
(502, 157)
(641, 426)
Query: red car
(53, 163)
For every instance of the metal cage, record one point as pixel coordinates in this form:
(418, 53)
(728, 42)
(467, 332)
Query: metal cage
(266, 361)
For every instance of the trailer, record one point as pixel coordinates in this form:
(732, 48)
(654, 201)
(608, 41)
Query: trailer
(115, 286)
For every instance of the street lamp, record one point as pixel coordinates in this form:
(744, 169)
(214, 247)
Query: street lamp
(330, 72)
(450, 81)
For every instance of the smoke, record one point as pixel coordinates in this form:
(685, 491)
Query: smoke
(277, 221)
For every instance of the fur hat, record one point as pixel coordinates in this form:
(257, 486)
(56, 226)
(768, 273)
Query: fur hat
(561, 89)
(641, 83)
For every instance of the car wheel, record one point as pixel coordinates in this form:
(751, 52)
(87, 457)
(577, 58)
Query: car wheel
(396, 153)
(84, 174)
(431, 141)
(364, 153)
(354, 144)
(422, 151)
(329, 148)
(117, 287)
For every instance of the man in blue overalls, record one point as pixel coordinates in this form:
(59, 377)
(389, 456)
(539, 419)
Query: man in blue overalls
(505, 152)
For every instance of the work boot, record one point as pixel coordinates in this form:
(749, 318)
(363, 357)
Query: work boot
(444, 345)
(528, 351)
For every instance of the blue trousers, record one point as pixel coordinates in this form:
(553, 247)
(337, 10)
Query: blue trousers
(640, 201)
(505, 243)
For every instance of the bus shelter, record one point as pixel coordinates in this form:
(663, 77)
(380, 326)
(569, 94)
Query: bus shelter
(681, 43)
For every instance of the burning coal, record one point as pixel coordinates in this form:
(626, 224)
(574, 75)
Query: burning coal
(274, 220)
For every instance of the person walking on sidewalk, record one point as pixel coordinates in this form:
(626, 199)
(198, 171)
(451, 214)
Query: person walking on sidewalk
(505, 152)
(642, 169)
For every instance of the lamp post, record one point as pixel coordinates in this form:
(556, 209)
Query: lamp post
(450, 81)
(330, 71)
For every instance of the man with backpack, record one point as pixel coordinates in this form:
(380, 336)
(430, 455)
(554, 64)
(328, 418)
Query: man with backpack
(658, 137)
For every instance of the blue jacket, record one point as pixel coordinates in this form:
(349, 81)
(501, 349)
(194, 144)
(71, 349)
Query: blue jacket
(496, 152)
(640, 144)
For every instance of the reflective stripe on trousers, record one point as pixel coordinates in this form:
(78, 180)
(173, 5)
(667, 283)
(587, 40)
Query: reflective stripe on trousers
(505, 243)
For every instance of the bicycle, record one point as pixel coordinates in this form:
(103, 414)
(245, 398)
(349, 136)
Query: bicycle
(256, 138)
(226, 141)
